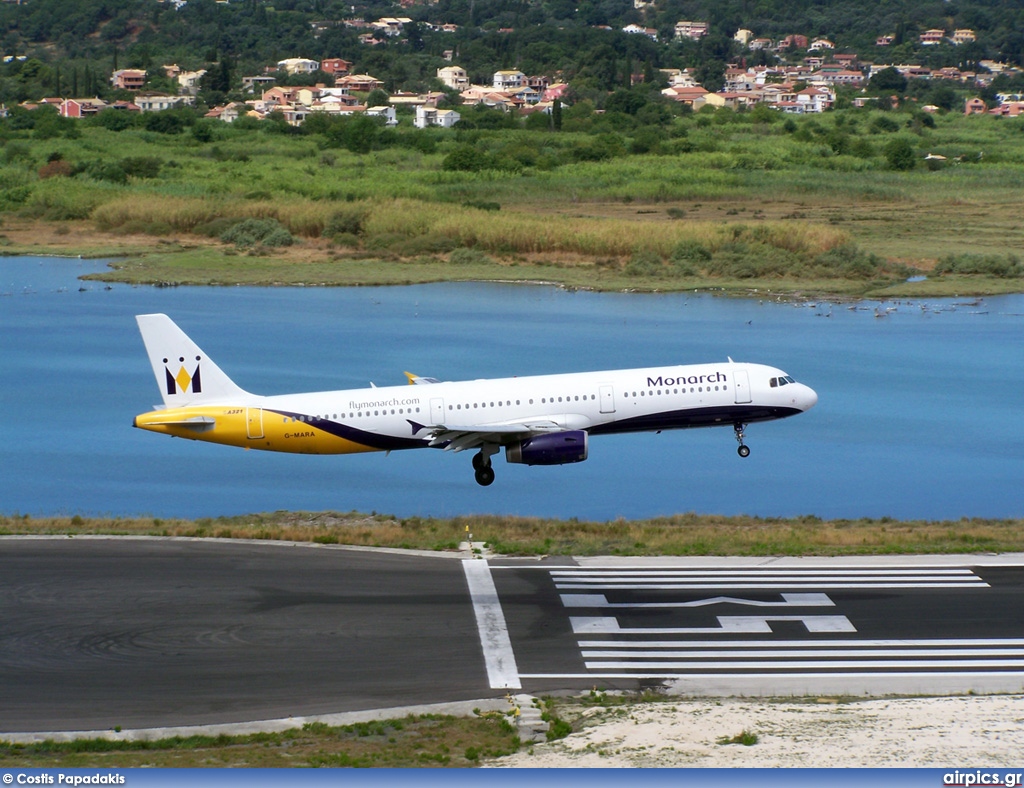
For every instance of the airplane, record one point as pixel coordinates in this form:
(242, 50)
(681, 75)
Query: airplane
(537, 420)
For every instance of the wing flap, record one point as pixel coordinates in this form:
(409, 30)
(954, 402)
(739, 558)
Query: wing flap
(460, 438)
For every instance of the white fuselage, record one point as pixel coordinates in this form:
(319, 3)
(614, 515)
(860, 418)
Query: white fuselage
(539, 420)
(635, 400)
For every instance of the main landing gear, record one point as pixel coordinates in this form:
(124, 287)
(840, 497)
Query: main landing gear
(483, 471)
(743, 450)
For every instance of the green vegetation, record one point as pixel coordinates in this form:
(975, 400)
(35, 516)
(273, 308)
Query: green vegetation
(71, 49)
(415, 741)
(746, 738)
(679, 535)
(737, 201)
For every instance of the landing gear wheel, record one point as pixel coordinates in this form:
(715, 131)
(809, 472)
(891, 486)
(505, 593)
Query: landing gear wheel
(479, 461)
(743, 450)
(484, 475)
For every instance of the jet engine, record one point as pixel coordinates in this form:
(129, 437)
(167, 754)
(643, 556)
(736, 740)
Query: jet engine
(556, 448)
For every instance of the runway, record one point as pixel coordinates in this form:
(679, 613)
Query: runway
(102, 633)
(929, 625)
(138, 633)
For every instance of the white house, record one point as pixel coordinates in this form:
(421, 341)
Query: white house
(688, 29)
(228, 113)
(391, 25)
(432, 116)
(650, 32)
(250, 84)
(388, 113)
(188, 81)
(813, 100)
(505, 80)
(298, 65)
(454, 77)
(157, 102)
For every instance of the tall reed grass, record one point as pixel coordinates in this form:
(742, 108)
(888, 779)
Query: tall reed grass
(501, 233)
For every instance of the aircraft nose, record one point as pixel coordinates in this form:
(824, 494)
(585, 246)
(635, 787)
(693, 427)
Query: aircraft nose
(807, 398)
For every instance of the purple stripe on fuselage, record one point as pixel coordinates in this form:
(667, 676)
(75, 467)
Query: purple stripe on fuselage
(374, 440)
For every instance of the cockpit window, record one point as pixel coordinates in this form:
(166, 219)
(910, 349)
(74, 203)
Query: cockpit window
(784, 380)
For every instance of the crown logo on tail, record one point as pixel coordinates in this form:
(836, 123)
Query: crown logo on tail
(180, 383)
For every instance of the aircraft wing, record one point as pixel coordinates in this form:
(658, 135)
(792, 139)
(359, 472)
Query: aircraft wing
(461, 438)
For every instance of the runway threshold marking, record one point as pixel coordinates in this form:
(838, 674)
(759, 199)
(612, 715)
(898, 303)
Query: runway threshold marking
(671, 652)
(499, 658)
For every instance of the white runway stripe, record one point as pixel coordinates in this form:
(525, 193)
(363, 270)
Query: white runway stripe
(490, 620)
(860, 674)
(769, 585)
(808, 652)
(811, 664)
(751, 572)
(765, 572)
(712, 579)
(744, 644)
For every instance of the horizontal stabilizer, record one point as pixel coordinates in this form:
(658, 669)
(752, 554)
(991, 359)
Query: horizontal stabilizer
(197, 423)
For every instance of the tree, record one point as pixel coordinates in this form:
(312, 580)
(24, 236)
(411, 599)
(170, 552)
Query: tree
(466, 158)
(358, 134)
(711, 75)
(943, 96)
(113, 119)
(626, 101)
(888, 80)
(377, 98)
(900, 155)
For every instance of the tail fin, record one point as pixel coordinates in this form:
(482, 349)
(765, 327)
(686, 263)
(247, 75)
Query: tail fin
(185, 375)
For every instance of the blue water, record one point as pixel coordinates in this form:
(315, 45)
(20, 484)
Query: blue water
(919, 412)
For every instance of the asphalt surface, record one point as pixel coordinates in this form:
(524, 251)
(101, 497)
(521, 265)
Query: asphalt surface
(143, 633)
(105, 633)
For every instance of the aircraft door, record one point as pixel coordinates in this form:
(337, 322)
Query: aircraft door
(254, 423)
(437, 411)
(607, 397)
(741, 380)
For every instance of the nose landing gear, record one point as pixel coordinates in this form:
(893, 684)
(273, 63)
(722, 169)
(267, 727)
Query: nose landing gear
(743, 450)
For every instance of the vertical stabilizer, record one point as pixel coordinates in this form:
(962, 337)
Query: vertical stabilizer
(185, 375)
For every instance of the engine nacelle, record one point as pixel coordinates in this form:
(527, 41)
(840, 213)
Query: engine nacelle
(555, 448)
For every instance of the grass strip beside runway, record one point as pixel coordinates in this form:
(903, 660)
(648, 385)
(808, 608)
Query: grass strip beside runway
(415, 741)
(678, 535)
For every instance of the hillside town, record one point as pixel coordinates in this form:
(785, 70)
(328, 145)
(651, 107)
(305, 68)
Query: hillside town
(806, 87)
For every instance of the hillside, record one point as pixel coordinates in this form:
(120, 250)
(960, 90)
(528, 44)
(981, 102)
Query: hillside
(71, 48)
